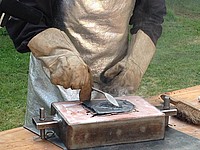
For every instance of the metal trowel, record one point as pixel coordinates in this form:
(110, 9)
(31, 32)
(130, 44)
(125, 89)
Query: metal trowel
(109, 97)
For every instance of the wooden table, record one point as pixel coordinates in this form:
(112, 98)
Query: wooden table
(189, 129)
(22, 139)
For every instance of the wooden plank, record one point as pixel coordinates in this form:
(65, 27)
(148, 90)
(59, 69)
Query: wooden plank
(188, 95)
(22, 139)
(189, 129)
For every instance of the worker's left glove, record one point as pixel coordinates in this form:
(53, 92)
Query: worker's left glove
(124, 77)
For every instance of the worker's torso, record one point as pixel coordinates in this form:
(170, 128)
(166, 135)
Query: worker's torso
(98, 29)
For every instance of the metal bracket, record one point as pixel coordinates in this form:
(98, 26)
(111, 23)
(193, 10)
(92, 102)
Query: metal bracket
(167, 109)
(41, 123)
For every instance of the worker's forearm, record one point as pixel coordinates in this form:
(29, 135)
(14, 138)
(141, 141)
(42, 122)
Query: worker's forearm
(141, 50)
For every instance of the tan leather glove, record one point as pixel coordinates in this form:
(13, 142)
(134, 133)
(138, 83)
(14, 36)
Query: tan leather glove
(124, 77)
(58, 54)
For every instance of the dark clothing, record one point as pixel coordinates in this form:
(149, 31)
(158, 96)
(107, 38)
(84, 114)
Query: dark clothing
(147, 16)
(21, 32)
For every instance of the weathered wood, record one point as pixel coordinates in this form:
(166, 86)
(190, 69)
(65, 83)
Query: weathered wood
(188, 95)
(186, 101)
(190, 129)
(22, 139)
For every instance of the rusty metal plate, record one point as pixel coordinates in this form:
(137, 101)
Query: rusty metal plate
(80, 129)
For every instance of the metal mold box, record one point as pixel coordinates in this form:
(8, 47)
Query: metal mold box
(80, 129)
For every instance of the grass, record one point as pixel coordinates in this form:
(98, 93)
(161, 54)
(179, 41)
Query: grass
(175, 65)
(13, 84)
(176, 62)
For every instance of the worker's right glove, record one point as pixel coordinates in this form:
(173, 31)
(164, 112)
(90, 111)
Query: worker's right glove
(57, 52)
(124, 77)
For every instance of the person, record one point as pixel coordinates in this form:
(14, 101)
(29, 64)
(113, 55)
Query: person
(83, 43)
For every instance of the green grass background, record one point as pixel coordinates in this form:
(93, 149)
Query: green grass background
(176, 64)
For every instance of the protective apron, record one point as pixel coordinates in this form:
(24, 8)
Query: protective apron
(99, 30)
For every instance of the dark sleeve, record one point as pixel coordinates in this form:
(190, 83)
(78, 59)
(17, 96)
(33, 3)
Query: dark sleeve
(148, 16)
(21, 31)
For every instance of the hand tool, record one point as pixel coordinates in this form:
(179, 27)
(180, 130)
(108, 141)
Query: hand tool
(109, 97)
